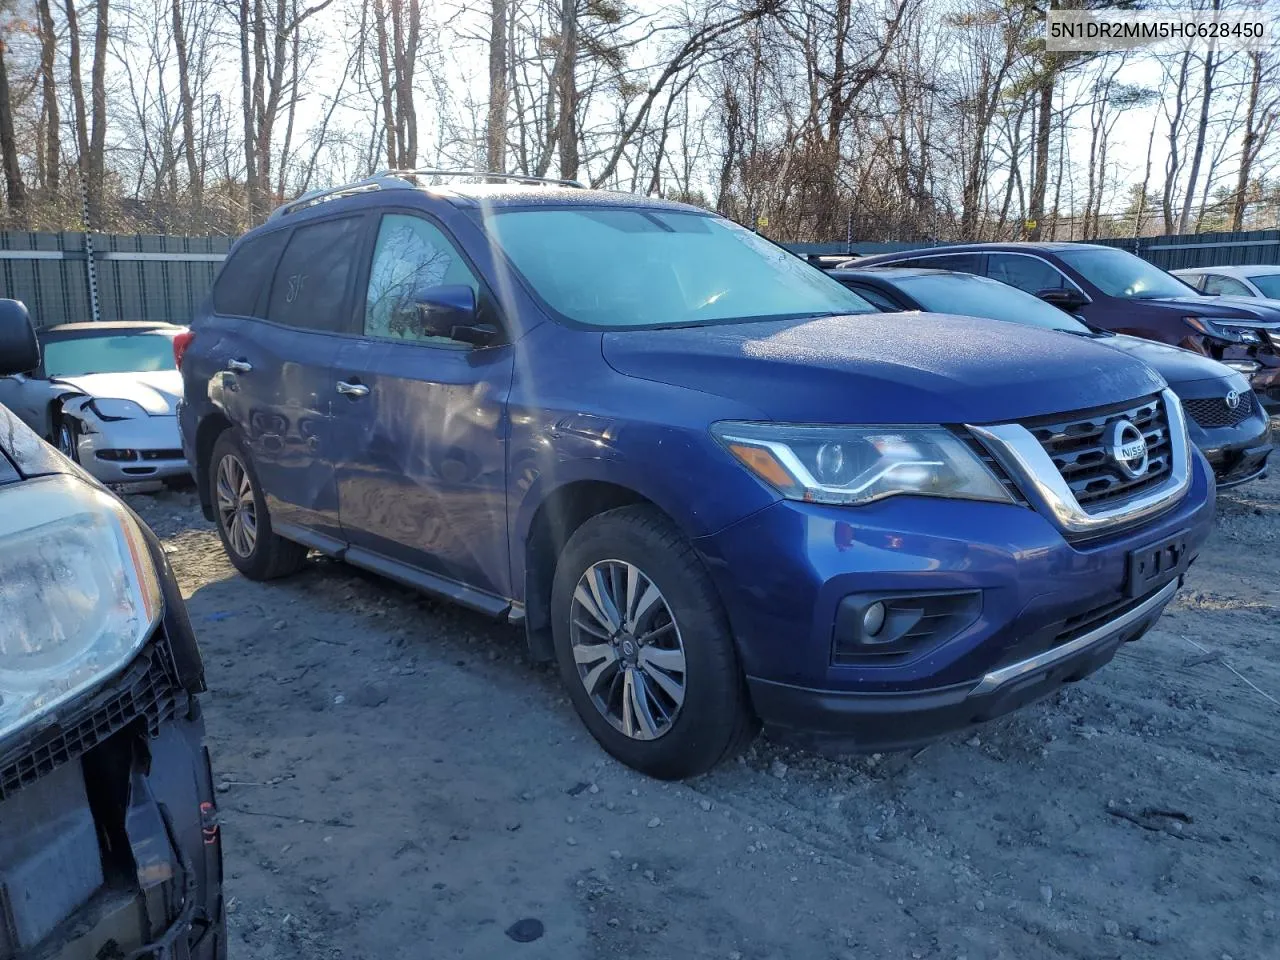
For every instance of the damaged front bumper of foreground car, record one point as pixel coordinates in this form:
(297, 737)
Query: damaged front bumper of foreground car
(109, 842)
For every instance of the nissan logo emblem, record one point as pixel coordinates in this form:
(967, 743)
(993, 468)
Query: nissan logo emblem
(1233, 399)
(1127, 447)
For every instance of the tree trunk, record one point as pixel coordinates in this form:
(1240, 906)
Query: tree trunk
(52, 162)
(1202, 129)
(98, 132)
(1040, 175)
(567, 81)
(1248, 147)
(16, 189)
(194, 178)
(77, 89)
(496, 153)
(1172, 162)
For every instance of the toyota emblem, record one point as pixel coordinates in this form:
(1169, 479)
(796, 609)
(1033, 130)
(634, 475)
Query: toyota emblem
(1127, 447)
(1233, 399)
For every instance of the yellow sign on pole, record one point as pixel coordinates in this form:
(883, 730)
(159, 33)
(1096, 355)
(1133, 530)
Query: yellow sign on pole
(761, 222)
(1030, 224)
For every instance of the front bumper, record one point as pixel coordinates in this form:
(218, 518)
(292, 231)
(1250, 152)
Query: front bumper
(109, 843)
(785, 571)
(128, 451)
(1237, 454)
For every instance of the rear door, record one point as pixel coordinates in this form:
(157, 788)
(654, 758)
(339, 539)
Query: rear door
(421, 467)
(277, 381)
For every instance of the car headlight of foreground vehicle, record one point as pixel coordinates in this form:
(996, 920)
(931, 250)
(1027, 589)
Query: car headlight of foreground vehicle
(79, 594)
(109, 409)
(854, 465)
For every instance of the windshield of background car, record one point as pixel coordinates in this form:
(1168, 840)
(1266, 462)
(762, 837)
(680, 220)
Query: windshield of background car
(625, 269)
(132, 353)
(976, 297)
(1268, 283)
(1118, 273)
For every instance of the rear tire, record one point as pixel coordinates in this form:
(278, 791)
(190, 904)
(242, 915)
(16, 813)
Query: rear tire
(240, 511)
(667, 695)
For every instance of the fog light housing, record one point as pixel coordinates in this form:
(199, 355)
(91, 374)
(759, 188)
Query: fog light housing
(895, 626)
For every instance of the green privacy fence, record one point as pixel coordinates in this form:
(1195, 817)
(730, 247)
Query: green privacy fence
(59, 275)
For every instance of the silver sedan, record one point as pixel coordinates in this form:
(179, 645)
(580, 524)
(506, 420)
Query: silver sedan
(106, 395)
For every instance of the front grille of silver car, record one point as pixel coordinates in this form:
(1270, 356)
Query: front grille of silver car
(1075, 445)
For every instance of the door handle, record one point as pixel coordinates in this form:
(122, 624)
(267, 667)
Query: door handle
(353, 390)
(240, 366)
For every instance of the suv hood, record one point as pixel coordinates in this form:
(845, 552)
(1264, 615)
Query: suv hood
(1173, 363)
(156, 391)
(1225, 308)
(886, 368)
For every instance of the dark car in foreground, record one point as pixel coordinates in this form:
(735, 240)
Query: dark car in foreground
(1226, 421)
(109, 839)
(1114, 290)
(710, 481)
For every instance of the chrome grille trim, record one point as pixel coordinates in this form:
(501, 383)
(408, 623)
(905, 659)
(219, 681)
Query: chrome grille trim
(1025, 459)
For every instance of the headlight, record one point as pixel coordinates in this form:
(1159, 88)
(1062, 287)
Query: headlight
(1217, 331)
(1243, 366)
(853, 465)
(111, 409)
(78, 594)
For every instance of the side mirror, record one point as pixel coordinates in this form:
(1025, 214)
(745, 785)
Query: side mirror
(1063, 299)
(19, 349)
(449, 311)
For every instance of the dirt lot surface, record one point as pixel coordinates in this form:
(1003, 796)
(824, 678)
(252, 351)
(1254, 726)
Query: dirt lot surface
(397, 780)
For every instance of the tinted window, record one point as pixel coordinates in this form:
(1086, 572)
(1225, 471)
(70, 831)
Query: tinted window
(241, 287)
(410, 258)
(310, 286)
(620, 268)
(1026, 273)
(130, 353)
(963, 262)
(1118, 273)
(971, 296)
(1269, 284)
(1218, 285)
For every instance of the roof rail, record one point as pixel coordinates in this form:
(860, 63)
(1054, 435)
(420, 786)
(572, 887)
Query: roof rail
(379, 181)
(519, 177)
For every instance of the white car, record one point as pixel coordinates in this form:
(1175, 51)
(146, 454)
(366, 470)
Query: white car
(106, 395)
(1262, 280)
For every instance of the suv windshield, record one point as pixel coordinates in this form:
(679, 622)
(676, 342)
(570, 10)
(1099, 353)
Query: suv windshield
(131, 353)
(621, 268)
(1268, 283)
(1118, 273)
(978, 297)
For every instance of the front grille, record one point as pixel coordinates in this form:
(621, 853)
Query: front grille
(1075, 445)
(1214, 411)
(147, 691)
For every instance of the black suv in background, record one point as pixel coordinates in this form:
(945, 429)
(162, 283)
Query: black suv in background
(1114, 290)
(109, 841)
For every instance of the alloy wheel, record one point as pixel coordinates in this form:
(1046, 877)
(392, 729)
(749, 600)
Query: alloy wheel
(628, 649)
(67, 442)
(237, 509)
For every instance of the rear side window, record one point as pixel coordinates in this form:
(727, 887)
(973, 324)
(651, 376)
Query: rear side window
(310, 286)
(1217, 285)
(960, 262)
(241, 287)
(1026, 273)
(877, 299)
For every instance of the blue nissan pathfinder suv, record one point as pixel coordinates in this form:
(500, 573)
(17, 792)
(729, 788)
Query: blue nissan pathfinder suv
(715, 485)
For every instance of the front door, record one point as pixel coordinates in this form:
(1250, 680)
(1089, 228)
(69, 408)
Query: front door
(278, 378)
(421, 454)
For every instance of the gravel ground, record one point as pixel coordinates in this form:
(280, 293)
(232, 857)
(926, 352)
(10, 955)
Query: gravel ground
(398, 780)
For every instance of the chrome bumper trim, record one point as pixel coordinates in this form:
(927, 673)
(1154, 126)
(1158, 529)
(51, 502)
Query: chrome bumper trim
(998, 678)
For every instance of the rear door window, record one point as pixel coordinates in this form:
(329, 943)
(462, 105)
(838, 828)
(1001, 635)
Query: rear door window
(959, 262)
(242, 284)
(1026, 273)
(312, 283)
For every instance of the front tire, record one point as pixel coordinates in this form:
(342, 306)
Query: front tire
(67, 438)
(240, 510)
(644, 646)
